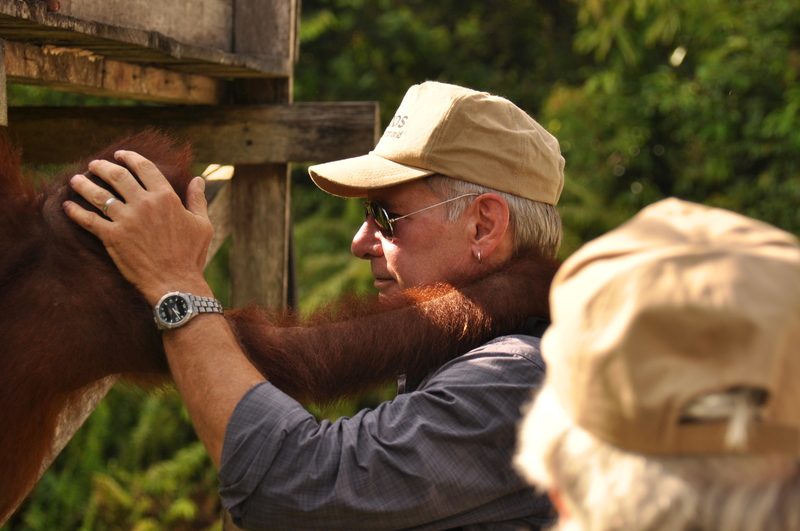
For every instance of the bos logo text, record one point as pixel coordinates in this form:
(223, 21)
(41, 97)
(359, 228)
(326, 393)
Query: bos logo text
(397, 123)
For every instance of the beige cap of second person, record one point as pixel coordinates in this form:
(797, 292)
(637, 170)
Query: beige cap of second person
(461, 133)
(681, 302)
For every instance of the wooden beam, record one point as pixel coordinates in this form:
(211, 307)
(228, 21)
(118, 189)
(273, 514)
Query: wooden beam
(260, 215)
(29, 21)
(219, 211)
(202, 22)
(3, 95)
(235, 134)
(76, 70)
(267, 28)
(260, 226)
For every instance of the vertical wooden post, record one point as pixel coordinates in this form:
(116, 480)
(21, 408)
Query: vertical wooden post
(260, 223)
(260, 217)
(3, 97)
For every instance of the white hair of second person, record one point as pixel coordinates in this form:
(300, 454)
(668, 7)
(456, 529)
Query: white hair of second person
(535, 226)
(606, 488)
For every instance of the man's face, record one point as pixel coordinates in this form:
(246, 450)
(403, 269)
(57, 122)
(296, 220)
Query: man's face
(425, 249)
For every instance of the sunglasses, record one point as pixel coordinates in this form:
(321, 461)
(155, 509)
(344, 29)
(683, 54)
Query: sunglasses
(385, 219)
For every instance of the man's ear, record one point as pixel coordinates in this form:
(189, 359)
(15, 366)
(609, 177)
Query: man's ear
(489, 226)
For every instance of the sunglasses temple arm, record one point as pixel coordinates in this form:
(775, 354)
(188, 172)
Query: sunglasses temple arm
(430, 207)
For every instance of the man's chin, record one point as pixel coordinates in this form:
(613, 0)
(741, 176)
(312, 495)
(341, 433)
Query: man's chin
(386, 287)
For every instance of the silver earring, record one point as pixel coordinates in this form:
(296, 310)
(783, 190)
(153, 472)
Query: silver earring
(480, 261)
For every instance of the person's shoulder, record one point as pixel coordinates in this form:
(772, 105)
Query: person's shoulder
(506, 358)
(504, 370)
(514, 346)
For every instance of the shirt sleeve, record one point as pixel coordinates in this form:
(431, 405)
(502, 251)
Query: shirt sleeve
(435, 458)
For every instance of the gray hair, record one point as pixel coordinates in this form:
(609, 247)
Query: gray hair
(607, 488)
(535, 226)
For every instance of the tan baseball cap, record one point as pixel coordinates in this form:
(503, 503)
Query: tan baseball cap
(680, 303)
(453, 131)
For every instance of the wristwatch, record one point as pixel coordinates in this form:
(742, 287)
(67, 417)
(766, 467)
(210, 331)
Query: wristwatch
(175, 309)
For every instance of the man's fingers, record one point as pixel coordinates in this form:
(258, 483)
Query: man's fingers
(97, 196)
(88, 220)
(145, 170)
(118, 177)
(196, 198)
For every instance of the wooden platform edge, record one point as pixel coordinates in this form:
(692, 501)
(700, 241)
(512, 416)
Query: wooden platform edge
(29, 21)
(75, 70)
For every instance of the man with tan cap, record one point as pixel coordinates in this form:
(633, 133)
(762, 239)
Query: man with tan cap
(672, 399)
(460, 183)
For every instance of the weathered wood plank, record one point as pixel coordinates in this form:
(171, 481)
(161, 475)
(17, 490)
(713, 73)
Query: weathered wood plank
(75, 70)
(246, 134)
(29, 21)
(200, 22)
(219, 211)
(266, 27)
(260, 226)
(3, 95)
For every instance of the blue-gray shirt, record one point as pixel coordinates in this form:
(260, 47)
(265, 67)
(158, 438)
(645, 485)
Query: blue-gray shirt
(435, 458)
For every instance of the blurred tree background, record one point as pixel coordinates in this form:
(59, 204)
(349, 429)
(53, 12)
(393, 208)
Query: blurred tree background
(648, 98)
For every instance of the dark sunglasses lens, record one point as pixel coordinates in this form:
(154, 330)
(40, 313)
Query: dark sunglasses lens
(379, 215)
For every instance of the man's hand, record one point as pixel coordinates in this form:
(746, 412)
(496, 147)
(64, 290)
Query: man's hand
(157, 244)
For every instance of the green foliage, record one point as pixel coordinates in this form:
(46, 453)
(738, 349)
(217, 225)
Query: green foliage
(30, 95)
(323, 228)
(704, 108)
(359, 50)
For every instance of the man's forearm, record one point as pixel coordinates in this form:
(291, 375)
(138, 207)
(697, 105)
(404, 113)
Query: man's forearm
(211, 374)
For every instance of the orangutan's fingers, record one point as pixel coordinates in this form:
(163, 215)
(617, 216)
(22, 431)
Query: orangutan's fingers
(88, 220)
(148, 173)
(97, 196)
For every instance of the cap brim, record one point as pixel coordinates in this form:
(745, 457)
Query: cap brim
(354, 177)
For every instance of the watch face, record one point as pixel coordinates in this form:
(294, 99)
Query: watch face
(173, 309)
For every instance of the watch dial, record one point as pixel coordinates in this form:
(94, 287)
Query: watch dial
(173, 309)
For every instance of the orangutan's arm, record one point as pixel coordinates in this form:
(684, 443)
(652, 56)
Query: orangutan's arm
(363, 346)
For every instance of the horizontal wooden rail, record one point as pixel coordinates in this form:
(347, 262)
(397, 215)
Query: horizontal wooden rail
(233, 134)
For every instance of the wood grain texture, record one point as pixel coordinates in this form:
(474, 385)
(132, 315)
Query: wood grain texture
(29, 21)
(199, 22)
(235, 134)
(266, 27)
(219, 211)
(260, 198)
(260, 226)
(3, 97)
(81, 71)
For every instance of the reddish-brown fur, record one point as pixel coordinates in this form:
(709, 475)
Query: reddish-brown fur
(68, 318)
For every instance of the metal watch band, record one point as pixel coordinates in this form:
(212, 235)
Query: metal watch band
(206, 304)
(195, 305)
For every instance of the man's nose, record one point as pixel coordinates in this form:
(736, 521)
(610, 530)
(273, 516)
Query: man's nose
(367, 242)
